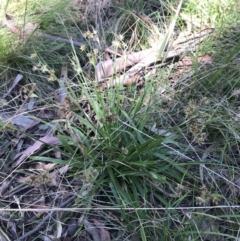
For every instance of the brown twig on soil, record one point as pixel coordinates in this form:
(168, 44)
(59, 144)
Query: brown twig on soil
(34, 230)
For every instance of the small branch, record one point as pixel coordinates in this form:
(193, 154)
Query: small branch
(129, 77)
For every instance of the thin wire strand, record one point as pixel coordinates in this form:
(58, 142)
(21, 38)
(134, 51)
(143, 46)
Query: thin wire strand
(115, 208)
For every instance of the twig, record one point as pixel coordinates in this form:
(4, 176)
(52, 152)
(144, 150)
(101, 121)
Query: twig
(36, 229)
(129, 77)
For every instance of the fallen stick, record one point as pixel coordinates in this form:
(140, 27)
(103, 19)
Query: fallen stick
(129, 77)
(141, 59)
(107, 68)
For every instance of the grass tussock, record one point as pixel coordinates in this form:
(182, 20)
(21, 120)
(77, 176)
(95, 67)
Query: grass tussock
(155, 160)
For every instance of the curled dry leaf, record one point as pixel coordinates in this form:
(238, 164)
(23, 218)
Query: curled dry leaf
(54, 176)
(160, 132)
(47, 238)
(237, 187)
(208, 227)
(8, 219)
(187, 61)
(20, 120)
(5, 185)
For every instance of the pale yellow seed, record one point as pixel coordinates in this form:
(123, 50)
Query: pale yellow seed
(34, 68)
(95, 51)
(33, 56)
(44, 68)
(83, 47)
(116, 43)
(89, 55)
(51, 78)
(87, 34)
(120, 37)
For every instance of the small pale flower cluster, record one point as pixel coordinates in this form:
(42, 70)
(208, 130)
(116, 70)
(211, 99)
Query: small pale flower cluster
(76, 65)
(83, 48)
(206, 196)
(118, 42)
(43, 68)
(197, 119)
(91, 35)
(180, 189)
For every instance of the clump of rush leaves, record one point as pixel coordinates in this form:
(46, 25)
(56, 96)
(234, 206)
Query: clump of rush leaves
(120, 163)
(124, 165)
